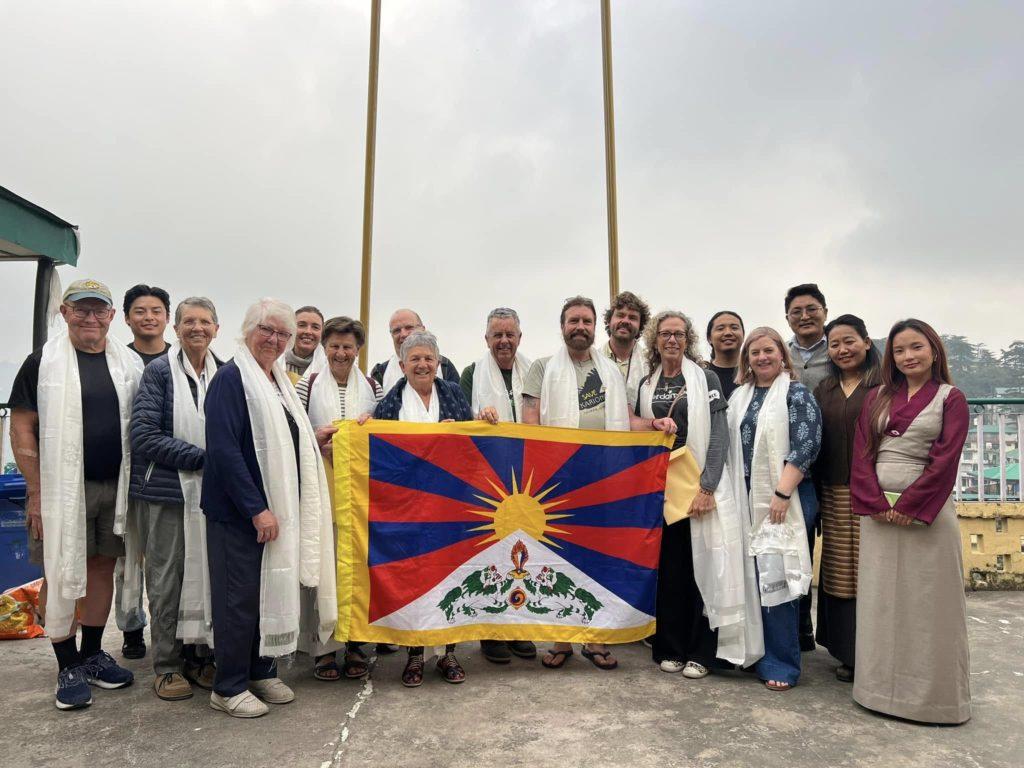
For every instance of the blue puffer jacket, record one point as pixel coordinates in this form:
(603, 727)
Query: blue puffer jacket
(156, 454)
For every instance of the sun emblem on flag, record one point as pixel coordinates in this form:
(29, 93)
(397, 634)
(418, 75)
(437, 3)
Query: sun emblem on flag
(519, 511)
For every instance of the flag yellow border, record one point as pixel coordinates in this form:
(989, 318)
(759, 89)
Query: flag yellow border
(351, 448)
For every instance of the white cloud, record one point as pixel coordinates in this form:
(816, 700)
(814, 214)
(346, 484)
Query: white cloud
(217, 149)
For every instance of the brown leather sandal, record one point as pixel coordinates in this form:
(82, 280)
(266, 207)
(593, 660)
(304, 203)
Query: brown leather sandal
(412, 676)
(450, 669)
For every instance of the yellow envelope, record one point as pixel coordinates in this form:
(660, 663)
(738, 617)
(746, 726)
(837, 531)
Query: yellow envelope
(681, 485)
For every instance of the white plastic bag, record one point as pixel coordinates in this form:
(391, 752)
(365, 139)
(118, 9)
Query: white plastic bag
(779, 573)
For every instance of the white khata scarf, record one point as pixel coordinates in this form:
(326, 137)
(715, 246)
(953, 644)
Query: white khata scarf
(317, 364)
(489, 386)
(195, 618)
(634, 371)
(393, 373)
(324, 397)
(783, 560)
(723, 571)
(413, 409)
(62, 474)
(303, 550)
(559, 392)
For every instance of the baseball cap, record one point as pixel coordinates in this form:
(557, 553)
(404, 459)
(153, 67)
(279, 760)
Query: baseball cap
(88, 289)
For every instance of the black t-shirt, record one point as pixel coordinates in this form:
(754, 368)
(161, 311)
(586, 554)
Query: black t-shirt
(668, 389)
(101, 414)
(726, 377)
(147, 357)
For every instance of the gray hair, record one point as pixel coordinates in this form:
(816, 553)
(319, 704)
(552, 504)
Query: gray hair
(502, 313)
(267, 309)
(691, 348)
(419, 339)
(195, 301)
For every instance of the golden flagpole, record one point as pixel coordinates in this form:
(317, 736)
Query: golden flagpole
(609, 149)
(371, 153)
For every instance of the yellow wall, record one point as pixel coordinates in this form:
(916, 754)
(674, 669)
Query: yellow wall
(980, 565)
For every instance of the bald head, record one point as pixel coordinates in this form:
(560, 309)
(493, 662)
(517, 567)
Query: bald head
(402, 323)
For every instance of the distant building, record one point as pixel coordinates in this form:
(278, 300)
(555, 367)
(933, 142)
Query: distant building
(993, 542)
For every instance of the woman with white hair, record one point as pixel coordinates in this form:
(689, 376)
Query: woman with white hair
(423, 397)
(268, 516)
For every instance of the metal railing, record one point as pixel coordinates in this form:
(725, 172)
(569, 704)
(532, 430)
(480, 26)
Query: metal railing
(990, 462)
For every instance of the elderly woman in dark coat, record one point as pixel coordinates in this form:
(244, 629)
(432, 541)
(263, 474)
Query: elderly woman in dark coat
(268, 516)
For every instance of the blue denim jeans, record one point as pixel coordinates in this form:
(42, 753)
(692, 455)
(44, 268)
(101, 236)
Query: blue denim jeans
(781, 660)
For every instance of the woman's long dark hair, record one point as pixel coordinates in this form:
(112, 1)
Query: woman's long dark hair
(871, 367)
(893, 379)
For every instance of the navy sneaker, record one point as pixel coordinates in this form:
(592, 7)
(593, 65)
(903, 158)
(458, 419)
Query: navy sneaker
(72, 689)
(101, 670)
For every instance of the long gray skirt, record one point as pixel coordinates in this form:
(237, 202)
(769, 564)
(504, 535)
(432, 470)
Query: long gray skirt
(912, 655)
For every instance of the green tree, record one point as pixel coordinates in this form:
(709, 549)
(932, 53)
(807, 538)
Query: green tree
(1011, 361)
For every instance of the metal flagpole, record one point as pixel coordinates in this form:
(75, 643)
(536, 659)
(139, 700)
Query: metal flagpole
(609, 149)
(371, 152)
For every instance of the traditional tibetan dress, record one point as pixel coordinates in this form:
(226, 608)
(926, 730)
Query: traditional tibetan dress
(912, 654)
(840, 528)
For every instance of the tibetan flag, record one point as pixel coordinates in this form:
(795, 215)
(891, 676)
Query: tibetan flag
(467, 531)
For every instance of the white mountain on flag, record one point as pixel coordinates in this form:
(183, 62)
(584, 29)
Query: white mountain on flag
(517, 580)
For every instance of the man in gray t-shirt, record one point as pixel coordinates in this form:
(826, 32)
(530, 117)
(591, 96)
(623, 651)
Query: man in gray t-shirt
(591, 390)
(578, 321)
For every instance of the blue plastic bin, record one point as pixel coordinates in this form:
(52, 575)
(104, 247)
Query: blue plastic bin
(15, 569)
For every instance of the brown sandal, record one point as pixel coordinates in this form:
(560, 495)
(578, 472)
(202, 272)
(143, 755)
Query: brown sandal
(607, 663)
(450, 669)
(558, 658)
(776, 685)
(412, 676)
(356, 665)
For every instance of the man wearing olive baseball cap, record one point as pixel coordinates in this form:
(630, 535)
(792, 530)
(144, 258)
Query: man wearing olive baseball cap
(71, 404)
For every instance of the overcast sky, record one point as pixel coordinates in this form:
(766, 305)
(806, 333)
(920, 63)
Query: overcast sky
(216, 148)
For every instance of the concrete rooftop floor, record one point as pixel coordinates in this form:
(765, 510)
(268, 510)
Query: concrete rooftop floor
(524, 715)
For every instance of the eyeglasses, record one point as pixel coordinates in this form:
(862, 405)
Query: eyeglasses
(81, 313)
(810, 311)
(677, 335)
(268, 333)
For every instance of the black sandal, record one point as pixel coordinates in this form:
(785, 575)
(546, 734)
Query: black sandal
(593, 655)
(356, 665)
(556, 655)
(321, 669)
(450, 669)
(412, 676)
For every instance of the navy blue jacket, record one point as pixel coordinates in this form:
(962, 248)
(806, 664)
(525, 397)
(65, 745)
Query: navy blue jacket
(451, 403)
(232, 482)
(156, 454)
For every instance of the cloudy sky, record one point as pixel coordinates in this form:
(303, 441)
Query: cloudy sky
(216, 148)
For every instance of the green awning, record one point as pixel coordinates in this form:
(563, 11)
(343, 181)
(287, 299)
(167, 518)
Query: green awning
(29, 233)
(1012, 472)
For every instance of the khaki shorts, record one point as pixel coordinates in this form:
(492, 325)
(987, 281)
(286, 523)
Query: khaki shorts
(100, 539)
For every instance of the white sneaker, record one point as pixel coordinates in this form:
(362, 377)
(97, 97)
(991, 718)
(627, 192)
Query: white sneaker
(272, 690)
(242, 704)
(695, 671)
(671, 665)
